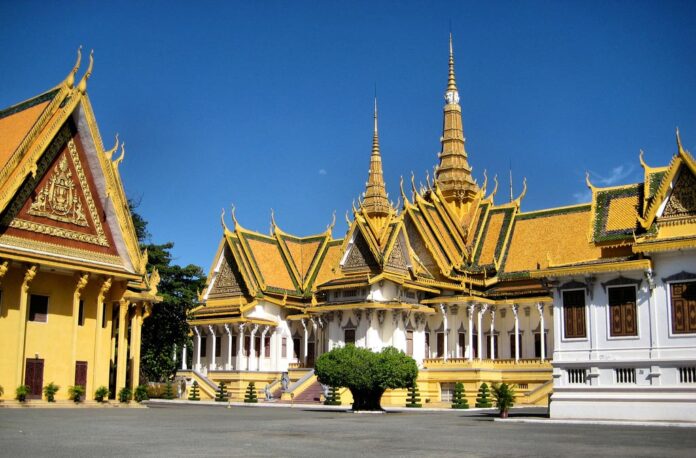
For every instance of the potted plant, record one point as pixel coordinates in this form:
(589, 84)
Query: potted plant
(76, 393)
(504, 396)
(124, 395)
(21, 393)
(50, 391)
(101, 393)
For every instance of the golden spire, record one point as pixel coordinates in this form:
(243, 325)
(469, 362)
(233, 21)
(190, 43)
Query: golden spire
(453, 176)
(375, 201)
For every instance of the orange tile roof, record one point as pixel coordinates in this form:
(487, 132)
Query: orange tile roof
(302, 254)
(328, 270)
(490, 238)
(14, 127)
(623, 213)
(560, 235)
(270, 263)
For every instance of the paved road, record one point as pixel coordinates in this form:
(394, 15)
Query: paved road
(240, 431)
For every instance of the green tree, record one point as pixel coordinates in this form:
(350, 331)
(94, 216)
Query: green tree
(483, 400)
(458, 398)
(413, 398)
(250, 396)
(221, 394)
(504, 396)
(166, 330)
(366, 374)
(193, 392)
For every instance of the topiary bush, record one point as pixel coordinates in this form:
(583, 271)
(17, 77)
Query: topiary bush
(168, 391)
(483, 398)
(124, 395)
(140, 393)
(221, 393)
(101, 394)
(334, 397)
(413, 398)
(50, 391)
(76, 393)
(250, 396)
(194, 394)
(365, 373)
(458, 399)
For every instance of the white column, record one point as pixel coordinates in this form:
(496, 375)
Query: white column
(240, 346)
(540, 307)
(212, 365)
(197, 349)
(228, 352)
(183, 358)
(306, 342)
(492, 336)
(453, 327)
(515, 311)
(251, 359)
(483, 308)
(472, 309)
(262, 350)
(443, 310)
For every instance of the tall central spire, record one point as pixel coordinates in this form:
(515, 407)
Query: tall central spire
(375, 201)
(453, 176)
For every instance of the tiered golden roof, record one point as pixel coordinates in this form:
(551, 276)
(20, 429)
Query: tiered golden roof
(452, 241)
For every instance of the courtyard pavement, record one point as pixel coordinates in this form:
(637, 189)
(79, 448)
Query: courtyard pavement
(185, 430)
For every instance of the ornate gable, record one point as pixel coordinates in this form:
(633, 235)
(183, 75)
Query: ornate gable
(682, 201)
(360, 257)
(228, 281)
(397, 258)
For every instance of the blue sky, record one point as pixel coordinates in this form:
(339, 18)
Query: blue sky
(269, 104)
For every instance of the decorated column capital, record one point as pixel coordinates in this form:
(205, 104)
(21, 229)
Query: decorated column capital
(515, 309)
(211, 330)
(80, 284)
(241, 327)
(29, 276)
(540, 308)
(4, 266)
(228, 331)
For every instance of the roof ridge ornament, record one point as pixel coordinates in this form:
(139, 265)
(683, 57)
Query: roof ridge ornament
(222, 220)
(330, 226)
(109, 154)
(588, 183)
(82, 87)
(680, 148)
(70, 79)
(116, 162)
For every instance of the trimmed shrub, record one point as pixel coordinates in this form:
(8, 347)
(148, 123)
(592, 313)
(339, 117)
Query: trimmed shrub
(76, 393)
(140, 393)
(124, 395)
(458, 399)
(50, 391)
(483, 398)
(221, 393)
(101, 394)
(168, 391)
(413, 398)
(334, 398)
(250, 395)
(194, 394)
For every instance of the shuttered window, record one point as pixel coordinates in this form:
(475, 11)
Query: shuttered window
(349, 336)
(683, 302)
(622, 311)
(574, 314)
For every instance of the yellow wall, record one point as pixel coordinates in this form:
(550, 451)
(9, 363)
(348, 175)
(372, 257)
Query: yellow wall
(53, 340)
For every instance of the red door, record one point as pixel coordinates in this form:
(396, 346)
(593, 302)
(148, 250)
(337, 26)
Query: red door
(33, 377)
(81, 374)
(310, 354)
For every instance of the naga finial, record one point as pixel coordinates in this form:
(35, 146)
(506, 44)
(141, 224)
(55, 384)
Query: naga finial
(111, 152)
(347, 219)
(330, 227)
(82, 87)
(274, 226)
(485, 182)
(234, 217)
(587, 181)
(70, 80)
(679, 143)
(222, 220)
(495, 186)
(118, 160)
(518, 201)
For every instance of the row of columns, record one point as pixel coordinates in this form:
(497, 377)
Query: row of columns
(481, 310)
(251, 363)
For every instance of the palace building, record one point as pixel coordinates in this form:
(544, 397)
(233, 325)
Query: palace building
(73, 286)
(594, 302)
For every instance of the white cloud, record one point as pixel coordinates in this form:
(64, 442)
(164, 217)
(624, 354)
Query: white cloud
(322, 172)
(617, 175)
(583, 197)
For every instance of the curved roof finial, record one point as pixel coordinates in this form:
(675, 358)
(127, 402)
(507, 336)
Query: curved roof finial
(587, 181)
(518, 201)
(82, 87)
(70, 79)
(495, 186)
(222, 220)
(274, 226)
(347, 219)
(485, 182)
(119, 159)
(234, 217)
(427, 178)
(330, 227)
(401, 187)
(111, 152)
(679, 143)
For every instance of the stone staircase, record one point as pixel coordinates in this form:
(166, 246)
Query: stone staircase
(311, 394)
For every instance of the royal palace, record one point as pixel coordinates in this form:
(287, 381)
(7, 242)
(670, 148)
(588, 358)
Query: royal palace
(595, 302)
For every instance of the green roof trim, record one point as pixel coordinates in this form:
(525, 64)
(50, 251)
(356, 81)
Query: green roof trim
(602, 202)
(29, 103)
(554, 212)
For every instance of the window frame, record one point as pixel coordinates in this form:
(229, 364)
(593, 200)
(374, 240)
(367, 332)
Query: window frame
(610, 336)
(345, 340)
(48, 307)
(584, 338)
(670, 318)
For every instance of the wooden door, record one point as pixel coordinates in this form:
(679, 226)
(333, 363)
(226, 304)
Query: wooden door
(81, 373)
(440, 344)
(409, 343)
(33, 377)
